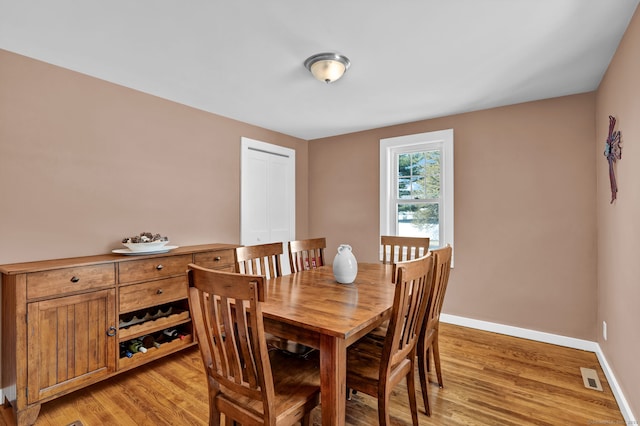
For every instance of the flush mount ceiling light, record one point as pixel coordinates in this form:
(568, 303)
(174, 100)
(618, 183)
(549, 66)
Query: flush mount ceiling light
(327, 67)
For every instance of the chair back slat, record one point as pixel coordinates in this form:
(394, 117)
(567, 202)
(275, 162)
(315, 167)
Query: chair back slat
(243, 329)
(229, 348)
(227, 316)
(263, 259)
(306, 254)
(412, 288)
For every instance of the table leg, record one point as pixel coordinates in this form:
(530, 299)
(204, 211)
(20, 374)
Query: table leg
(333, 379)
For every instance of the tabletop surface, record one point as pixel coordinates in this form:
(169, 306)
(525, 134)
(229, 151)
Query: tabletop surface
(314, 300)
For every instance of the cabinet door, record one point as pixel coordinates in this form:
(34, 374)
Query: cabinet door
(69, 343)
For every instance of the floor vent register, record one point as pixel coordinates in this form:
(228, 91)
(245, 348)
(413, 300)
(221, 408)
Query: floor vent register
(590, 379)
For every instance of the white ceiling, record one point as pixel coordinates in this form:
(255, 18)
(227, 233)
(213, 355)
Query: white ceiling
(411, 59)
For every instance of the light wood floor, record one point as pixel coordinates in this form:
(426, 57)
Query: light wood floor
(490, 379)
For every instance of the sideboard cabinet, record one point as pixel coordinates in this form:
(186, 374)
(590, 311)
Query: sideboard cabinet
(69, 323)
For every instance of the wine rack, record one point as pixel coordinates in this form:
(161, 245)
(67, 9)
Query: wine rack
(164, 347)
(175, 315)
(153, 321)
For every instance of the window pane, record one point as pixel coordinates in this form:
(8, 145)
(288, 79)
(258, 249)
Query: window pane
(404, 188)
(418, 164)
(419, 220)
(404, 165)
(418, 190)
(432, 174)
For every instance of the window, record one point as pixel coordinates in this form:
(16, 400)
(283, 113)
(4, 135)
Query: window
(416, 186)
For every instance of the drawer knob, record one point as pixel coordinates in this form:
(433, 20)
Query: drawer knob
(159, 267)
(159, 291)
(111, 331)
(217, 258)
(75, 279)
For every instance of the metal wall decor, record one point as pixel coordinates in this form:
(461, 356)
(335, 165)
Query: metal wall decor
(613, 152)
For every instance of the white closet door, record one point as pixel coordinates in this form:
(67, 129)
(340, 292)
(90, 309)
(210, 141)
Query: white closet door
(267, 195)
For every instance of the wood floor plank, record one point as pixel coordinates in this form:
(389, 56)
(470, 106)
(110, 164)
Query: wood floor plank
(489, 379)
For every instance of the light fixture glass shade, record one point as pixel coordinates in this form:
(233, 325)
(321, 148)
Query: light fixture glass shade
(327, 67)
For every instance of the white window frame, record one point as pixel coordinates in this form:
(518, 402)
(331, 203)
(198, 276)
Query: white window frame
(389, 147)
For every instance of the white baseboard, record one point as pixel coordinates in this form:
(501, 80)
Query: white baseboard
(555, 339)
(615, 388)
(524, 333)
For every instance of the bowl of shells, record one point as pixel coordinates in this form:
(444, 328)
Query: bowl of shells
(146, 241)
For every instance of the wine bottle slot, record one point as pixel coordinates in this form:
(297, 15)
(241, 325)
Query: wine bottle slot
(171, 332)
(149, 341)
(136, 345)
(124, 351)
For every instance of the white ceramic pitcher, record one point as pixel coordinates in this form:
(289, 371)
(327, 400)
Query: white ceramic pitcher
(345, 266)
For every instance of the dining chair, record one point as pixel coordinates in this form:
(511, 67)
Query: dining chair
(306, 254)
(262, 259)
(375, 366)
(247, 383)
(428, 340)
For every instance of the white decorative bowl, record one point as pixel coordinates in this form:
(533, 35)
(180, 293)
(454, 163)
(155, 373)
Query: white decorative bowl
(151, 246)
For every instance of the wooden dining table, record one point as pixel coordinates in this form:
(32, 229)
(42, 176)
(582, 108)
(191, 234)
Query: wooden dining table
(312, 308)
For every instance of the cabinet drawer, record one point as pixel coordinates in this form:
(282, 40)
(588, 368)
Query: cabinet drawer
(57, 282)
(220, 259)
(153, 269)
(140, 296)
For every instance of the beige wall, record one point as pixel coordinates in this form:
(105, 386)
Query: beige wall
(84, 163)
(619, 223)
(524, 210)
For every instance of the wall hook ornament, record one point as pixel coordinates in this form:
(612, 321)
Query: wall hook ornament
(613, 152)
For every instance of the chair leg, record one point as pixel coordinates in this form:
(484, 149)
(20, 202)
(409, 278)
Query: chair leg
(436, 360)
(306, 420)
(214, 414)
(411, 390)
(423, 364)
(384, 418)
(214, 417)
